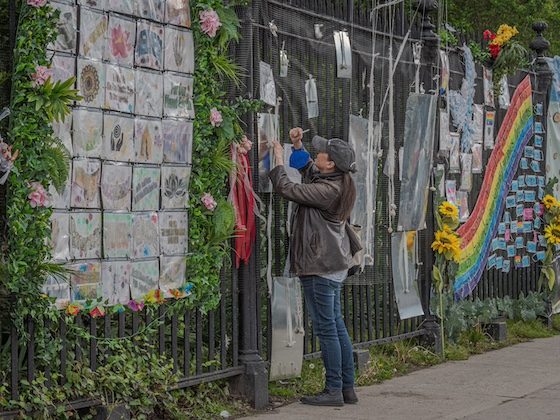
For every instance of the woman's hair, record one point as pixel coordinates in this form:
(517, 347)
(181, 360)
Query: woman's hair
(348, 196)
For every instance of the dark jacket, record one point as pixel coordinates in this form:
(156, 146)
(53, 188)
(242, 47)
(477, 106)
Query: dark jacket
(319, 243)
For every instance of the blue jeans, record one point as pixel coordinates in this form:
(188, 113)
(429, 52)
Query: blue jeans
(322, 298)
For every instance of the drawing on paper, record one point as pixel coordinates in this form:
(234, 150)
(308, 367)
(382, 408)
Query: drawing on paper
(149, 45)
(179, 50)
(145, 277)
(119, 90)
(145, 189)
(118, 140)
(117, 235)
(85, 235)
(93, 26)
(173, 230)
(177, 141)
(87, 132)
(174, 186)
(172, 273)
(120, 40)
(59, 289)
(85, 281)
(150, 9)
(60, 236)
(62, 200)
(178, 96)
(115, 278)
(178, 13)
(148, 141)
(86, 176)
(149, 93)
(66, 26)
(122, 6)
(116, 186)
(63, 131)
(145, 234)
(63, 67)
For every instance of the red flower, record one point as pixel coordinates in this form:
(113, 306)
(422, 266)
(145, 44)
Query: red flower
(97, 312)
(489, 35)
(494, 50)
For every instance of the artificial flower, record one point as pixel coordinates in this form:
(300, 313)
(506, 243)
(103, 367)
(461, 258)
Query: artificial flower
(489, 35)
(209, 201)
(504, 34)
(215, 117)
(494, 50)
(36, 3)
(41, 75)
(209, 22)
(177, 293)
(73, 309)
(448, 244)
(549, 201)
(38, 197)
(120, 42)
(97, 312)
(118, 309)
(188, 289)
(154, 296)
(552, 234)
(447, 209)
(410, 236)
(135, 306)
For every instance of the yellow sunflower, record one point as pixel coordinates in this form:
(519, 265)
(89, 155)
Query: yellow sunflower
(504, 34)
(549, 201)
(552, 234)
(447, 243)
(447, 209)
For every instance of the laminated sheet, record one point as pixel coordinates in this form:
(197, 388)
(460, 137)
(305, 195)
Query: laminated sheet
(178, 96)
(121, 35)
(268, 129)
(419, 135)
(172, 274)
(86, 179)
(179, 50)
(85, 235)
(150, 9)
(149, 45)
(119, 88)
(91, 83)
(85, 281)
(174, 186)
(177, 141)
(58, 288)
(149, 93)
(148, 141)
(145, 188)
(93, 27)
(145, 277)
(115, 278)
(117, 235)
(63, 67)
(145, 235)
(173, 227)
(177, 12)
(121, 6)
(266, 84)
(87, 132)
(60, 236)
(67, 28)
(63, 131)
(118, 138)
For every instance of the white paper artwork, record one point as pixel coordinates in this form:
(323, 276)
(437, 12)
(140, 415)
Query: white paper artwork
(91, 83)
(173, 229)
(267, 124)
(88, 126)
(60, 236)
(489, 130)
(86, 177)
(454, 155)
(179, 50)
(478, 124)
(266, 83)
(178, 96)
(85, 235)
(66, 25)
(505, 98)
(150, 9)
(178, 13)
(117, 235)
(444, 145)
(177, 141)
(115, 278)
(149, 93)
(148, 141)
(145, 277)
(96, 4)
(149, 45)
(466, 173)
(63, 131)
(62, 200)
(488, 87)
(118, 138)
(93, 26)
(121, 6)
(121, 35)
(343, 54)
(58, 288)
(174, 186)
(172, 273)
(63, 67)
(119, 88)
(145, 188)
(116, 186)
(145, 235)
(85, 281)
(311, 98)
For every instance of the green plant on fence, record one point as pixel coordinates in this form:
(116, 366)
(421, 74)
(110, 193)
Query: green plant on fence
(552, 236)
(43, 161)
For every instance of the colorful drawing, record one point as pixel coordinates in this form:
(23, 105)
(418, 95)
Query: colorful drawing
(59, 289)
(117, 235)
(172, 275)
(178, 13)
(85, 281)
(115, 278)
(116, 186)
(145, 233)
(150, 9)
(179, 50)
(86, 176)
(121, 35)
(174, 186)
(118, 139)
(145, 188)
(145, 277)
(88, 127)
(149, 93)
(177, 141)
(66, 25)
(85, 235)
(178, 96)
(93, 26)
(477, 233)
(91, 83)
(149, 45)
(148, 141)
(119, 89)
(173, 229)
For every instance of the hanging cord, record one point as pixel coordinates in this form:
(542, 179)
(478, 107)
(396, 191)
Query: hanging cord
(391, 122)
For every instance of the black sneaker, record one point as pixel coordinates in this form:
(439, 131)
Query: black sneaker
(332, 398)
(349, 396)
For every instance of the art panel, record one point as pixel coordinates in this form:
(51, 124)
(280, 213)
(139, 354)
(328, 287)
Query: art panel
(85, 281)
(178, 96)
(149, 45)
(61, 200)
(115, 278)
(67, 28)
(93, 26)
(117, 235)
(119, 88)
(145, 188)
(86, 178)
(150, 9)
(178, 13)
(58, 288)
(63, 131)
(172, 274)
(121, 35)
(118, 138)
(177, 141)
(149, 93)
(121, 6)
(179, 50)
(173, 227)
(60, 236)
(87, 132)
(145, 277)
(85, 235)
(91, 83)
(145, 233)
(148, 141)
(174, 186)
(63, 67)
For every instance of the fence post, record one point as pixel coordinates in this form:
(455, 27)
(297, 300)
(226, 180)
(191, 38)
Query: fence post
(428, 72)
(540, 46)
(253, 383)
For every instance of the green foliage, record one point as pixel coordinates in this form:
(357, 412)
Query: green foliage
(447, 38)
(529, 329)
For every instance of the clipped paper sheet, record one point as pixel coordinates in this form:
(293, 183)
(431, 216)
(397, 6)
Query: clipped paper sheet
(119, 88)
(148, 141)
(173, 230)
(174, 186)
(121, 36)
(118, 139)
(145, 188)
(145, 233)
(311, 98)
(179, 50)
(145, 277)
(86, 178)
(91, 83)
(149, 45)
(85, 235)
(343, 54)
(117, 235)
(115, 277)
(266, 83)
(93, 26)
(178, 96)
(85, 281)
(60, 236)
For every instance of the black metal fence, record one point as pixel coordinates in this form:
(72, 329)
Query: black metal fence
(233, 341)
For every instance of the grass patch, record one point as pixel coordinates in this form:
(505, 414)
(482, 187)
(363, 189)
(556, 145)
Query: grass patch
(556, 322)
(456, 352)
(528, 329)
(312, 381)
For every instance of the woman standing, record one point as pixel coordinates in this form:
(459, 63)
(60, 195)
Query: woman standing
(320, 251)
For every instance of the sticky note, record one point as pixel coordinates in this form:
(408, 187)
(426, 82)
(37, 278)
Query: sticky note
(506, 266)
(531, 247)
(519, 242)
(499, 262)
(529, 196)
(511, 251)
(514, 186)
(524, 163)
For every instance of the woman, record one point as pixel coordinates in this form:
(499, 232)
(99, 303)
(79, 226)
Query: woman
(320, 253)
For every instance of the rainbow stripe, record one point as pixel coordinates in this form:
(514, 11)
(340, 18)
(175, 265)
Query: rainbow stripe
(477, 233)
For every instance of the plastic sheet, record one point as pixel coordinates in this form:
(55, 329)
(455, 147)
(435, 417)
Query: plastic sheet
(119, 88)
(87, 132)
(118, 139)
(93, 27)
(173, 228)
(121, 35)
(489, 130)
(121, 6)
(463, 202)
(145, 188)
(174, 186)
(91, 83)
(179, 50)
(115, 278)
(149, 45)
(444, 143)
(60, 236)
(63, 131)
(58, 289)
(67, 28)
(86, 178)
(267, 86)
(116, 186)
(478, 124)
(85, 281)
(149, 93)
(117, 235)
(311, 98)
(504, 99)
(419, 133)
(477, 158)
(150, 9)
(172, 274)
(177, 141)
(85, 235)
(145, 233)
(178, 96)
(343, 54)
(488, 87)
(466, 172)
(148, 141)
(454, 155)
(62, 200)
(177, 12)
(63, 67)
(145, 277)
(268, 125)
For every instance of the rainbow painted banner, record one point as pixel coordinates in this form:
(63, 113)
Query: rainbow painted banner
(477, 233)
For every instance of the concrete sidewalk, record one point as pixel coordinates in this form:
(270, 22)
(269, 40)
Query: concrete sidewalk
(518, 382)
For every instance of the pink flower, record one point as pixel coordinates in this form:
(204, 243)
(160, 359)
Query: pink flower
(120, 42)
(36, 3)
(135, 306)
(97, 312)
(38, 197)
(41, 75)
(209, 201)
(210, 22)
(244, 146)
(215, 117)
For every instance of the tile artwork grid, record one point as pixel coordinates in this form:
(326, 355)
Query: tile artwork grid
(121, 221)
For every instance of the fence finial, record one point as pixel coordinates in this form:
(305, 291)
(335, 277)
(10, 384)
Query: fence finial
(426, 26)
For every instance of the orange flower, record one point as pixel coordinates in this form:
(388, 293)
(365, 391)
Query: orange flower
(73, 309)
(177, 293)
